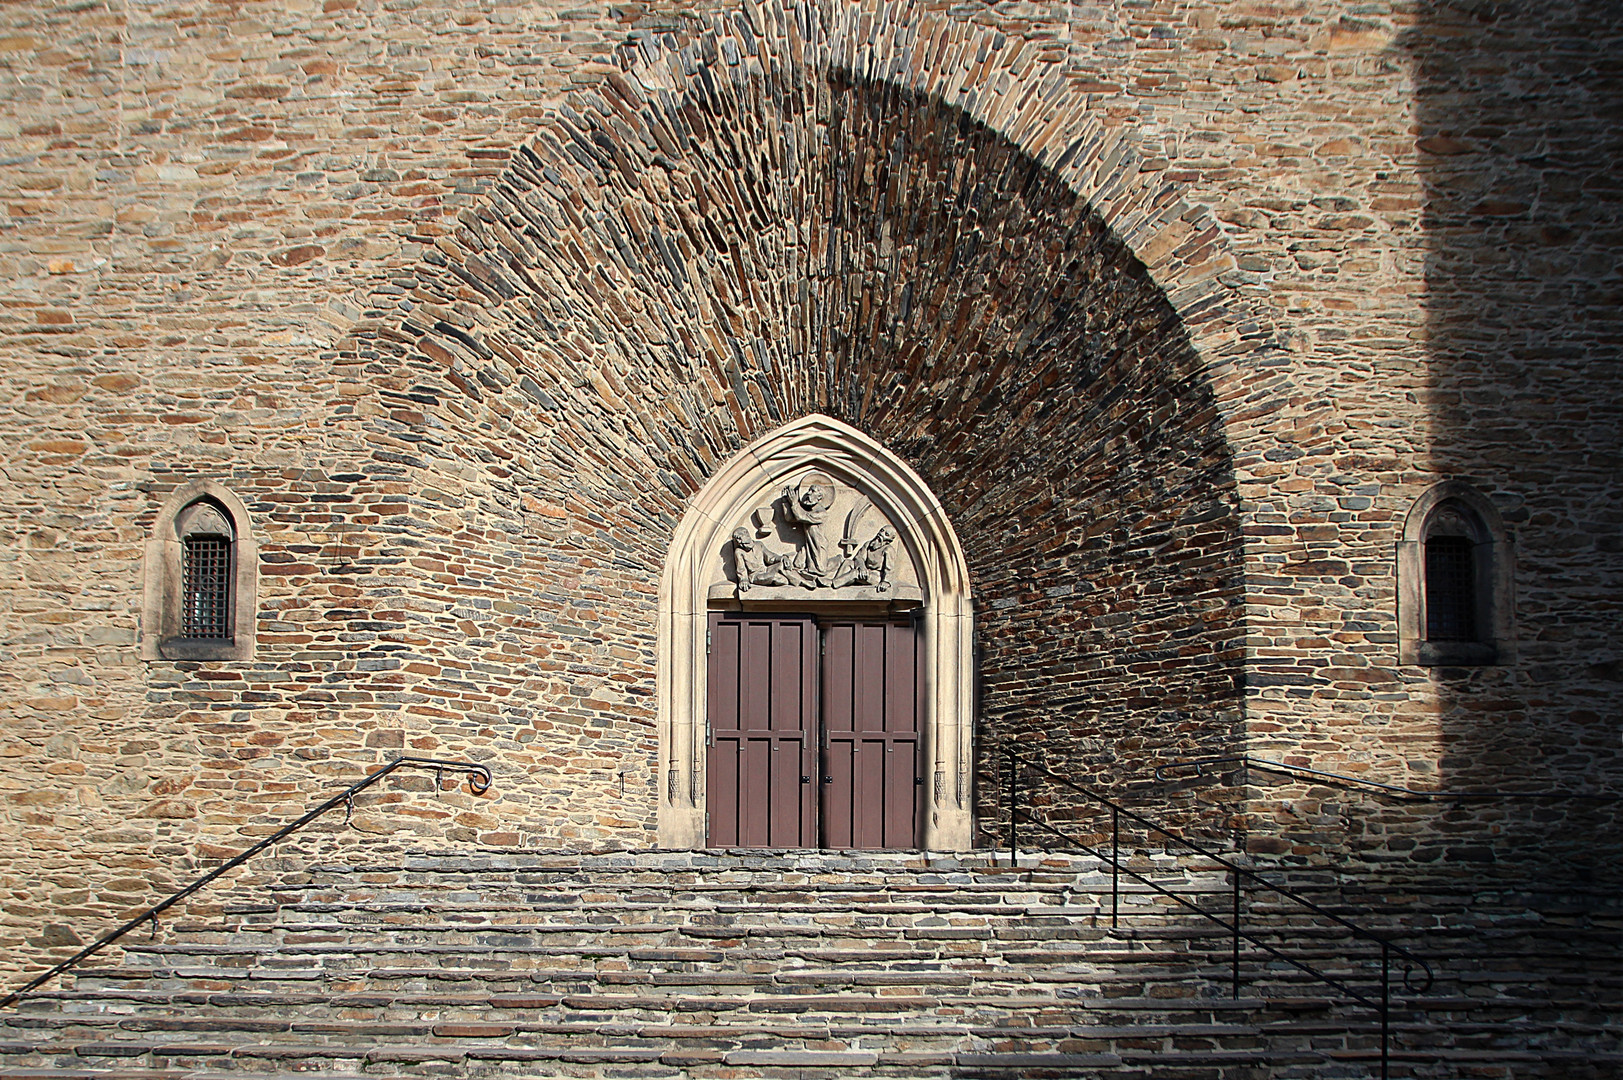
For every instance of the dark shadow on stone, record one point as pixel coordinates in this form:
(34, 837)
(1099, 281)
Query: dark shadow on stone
(1024, 362)
(1519, 139)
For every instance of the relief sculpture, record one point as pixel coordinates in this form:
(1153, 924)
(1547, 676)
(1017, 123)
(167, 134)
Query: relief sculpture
(870, 564)
(755, 565)
(809, 506)
(828, 537)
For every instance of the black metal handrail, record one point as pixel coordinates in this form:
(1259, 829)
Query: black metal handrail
(479, 781)
(1164, 773)
(1389, 949)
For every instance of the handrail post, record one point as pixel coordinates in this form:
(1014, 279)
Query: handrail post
(1235, 955)
(1014, 809)
(1115, 867)
(1386, 1006)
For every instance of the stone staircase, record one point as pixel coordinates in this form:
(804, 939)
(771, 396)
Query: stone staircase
(797, 964)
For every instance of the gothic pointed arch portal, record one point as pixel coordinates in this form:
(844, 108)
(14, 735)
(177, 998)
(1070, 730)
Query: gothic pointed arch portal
(799, 519)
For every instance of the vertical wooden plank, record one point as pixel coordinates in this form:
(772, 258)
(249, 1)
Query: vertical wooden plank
(753, 695)
(919, 765)
(783, 702)
(903, 796)
(782, 720)
(810, 765)
(754, 674)
(721, 783)
(836, 784)
(721, 793)
(837, 672)
(899, 689)
(871, 677)
(755, 806)
(868, 678)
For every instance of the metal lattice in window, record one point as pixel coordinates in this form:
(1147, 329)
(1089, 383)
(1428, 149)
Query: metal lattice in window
(206, 590)
(1450, 589)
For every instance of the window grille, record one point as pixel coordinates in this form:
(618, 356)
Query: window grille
(1450, 589)
(206, 590)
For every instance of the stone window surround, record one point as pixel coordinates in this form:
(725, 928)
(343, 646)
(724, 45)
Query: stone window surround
(162, 581)
(751, 476)
(1494, 572)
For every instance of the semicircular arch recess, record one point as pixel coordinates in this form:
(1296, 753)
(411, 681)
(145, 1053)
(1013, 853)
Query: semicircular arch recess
(677, 266)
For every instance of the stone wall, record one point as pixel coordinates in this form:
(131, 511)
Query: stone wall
(1178, 307)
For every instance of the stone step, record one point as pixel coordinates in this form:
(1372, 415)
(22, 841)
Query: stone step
(635, 1062)
(777, 964)
(539, 967)
(519, 920)
(1009, 1047)
(100, 1028)
(1166, 1051)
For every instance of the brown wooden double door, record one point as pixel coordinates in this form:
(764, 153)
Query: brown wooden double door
(814, 732)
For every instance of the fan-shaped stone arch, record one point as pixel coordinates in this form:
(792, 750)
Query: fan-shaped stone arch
(746, 226)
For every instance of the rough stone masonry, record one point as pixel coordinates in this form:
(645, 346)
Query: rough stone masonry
(1177, 307)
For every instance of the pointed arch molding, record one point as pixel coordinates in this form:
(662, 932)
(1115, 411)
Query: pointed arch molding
(755, 475)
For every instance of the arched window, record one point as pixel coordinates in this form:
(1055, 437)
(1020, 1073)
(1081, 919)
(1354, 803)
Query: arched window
(201, 578)
(206, 558)
(1455, 574)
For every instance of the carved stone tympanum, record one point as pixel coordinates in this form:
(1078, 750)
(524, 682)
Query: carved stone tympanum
(818, 539)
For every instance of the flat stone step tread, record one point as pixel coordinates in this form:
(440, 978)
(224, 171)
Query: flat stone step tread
(405, 887)
(527, 916)
(718, 863)
(1187, 1010)
(235, 1031)
(877, 900)
(1022, 1059)
(123, 1074)
(389, 944)
(1087, 960)
(343, 1000)
(826, 871)
(136, 1048)
(1025, 1029)
(499, 888)
(387, 980)
(735, 1056)
(1082, 925)
(717, 1034)
(721, 945)
(932, 975)
(815, 867)
(538, 961)
(301, 1075)
(995, 993)
(883, 903)
(740, 1058)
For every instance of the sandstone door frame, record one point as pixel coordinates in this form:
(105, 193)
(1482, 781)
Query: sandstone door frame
(947, 625)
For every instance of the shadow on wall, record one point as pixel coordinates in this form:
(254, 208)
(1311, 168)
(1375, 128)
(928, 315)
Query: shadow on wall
(993, 330)
(1519, 144)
